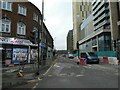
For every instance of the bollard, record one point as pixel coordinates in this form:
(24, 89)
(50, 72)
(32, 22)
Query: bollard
(105, 60)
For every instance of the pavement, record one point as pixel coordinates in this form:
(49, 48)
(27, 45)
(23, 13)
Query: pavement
(10, 78)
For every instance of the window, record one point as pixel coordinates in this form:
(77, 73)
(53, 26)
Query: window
(35, 30)
(21, 28)
(6, 5)
(5, 26)
(22, 10)
(80, 8)
(35, 17)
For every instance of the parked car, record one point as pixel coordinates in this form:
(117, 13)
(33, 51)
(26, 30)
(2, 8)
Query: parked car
(90, 56)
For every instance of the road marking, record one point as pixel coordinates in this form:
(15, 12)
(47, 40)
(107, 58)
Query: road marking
(56, 65)
(12, 70)
(48, 69)
(79, 75)
(35, 86)
(63, 74)
(45, 73)
(31, 81)
(49, 75)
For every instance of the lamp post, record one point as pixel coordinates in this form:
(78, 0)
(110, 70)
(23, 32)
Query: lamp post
(37, 73)
(77, 44)
(42, 32)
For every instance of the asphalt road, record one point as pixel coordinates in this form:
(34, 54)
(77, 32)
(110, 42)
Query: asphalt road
(66, 73)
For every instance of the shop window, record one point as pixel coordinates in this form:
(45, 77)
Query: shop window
(22, 10)
(6, 5)
(8, 53)
(5, 26)
(21, 28)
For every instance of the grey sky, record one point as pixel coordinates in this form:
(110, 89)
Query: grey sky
(58, 19)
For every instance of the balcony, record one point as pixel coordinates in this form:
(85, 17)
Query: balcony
(98, 8)
(101, 24)
(94, 1)
(100, 19)
(96, 4)
(99, 12)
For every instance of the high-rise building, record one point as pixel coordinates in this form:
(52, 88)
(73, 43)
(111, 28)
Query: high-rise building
(81, 10)
(70, 41)
(106, 27)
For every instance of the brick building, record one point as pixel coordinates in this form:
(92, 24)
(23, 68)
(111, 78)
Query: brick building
(20, 23)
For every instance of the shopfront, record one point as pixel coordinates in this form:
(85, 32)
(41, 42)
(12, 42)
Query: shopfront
(33, 54)
(16, 50)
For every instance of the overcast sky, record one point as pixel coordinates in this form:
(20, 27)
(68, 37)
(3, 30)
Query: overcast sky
(58, 19)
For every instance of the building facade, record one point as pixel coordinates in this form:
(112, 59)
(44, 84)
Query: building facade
(19, 26)
(81, 9)
(105, 29)
(70, 41)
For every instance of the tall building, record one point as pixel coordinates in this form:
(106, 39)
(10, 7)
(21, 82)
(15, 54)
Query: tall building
(118, 23)
(106, 32)
(70, 41)
(102, 25)
(81, 9)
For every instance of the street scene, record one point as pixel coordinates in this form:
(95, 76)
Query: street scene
(59, 44)
(65, 73)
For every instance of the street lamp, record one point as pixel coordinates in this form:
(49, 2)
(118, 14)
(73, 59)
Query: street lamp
(37, 73)
(77, 45)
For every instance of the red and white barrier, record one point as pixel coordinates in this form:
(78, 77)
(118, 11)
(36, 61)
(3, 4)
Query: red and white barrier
(83, 61)
(105, 60)
(108, 60)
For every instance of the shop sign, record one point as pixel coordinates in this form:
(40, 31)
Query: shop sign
(4, 40)
(21, 41)
(15, 41)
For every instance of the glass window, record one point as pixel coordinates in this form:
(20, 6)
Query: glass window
(6, 5)
(9, 5)
(36, 32)
(101, 43)
(92, 54)
(6, 26)
(22, 10)
(21, 28)
(0, 4)
(3, 27)
(35, 17)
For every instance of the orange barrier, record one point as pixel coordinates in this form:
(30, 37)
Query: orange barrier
(83, 61)
(105, 60)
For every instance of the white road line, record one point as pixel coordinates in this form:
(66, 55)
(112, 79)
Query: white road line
(44, 74)
(47, 70)
(35, 86)
(79, 75)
